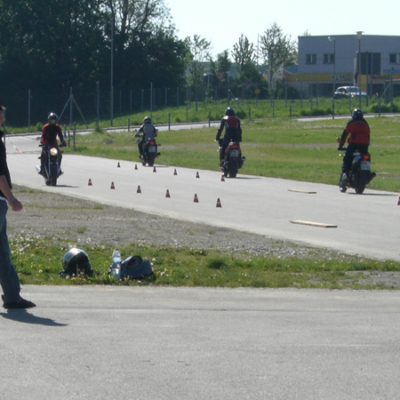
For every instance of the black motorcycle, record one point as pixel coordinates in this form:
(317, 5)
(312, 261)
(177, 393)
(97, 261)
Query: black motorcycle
(360, 174)
(233, 160)
(149, 151)
(51, 168)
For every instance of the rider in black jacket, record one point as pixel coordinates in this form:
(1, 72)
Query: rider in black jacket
(233, 131)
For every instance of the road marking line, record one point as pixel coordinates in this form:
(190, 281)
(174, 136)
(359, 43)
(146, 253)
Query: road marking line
(316, 224)
(301, 191)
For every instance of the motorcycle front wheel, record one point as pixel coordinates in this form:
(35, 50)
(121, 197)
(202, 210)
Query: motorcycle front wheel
(53, 175)
(342, 185)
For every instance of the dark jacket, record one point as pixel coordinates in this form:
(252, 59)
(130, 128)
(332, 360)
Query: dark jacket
(3, 163)
(231, 125)
(50, 133)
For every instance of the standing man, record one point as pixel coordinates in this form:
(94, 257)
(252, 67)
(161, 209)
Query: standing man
(233, 131)
(8, 276)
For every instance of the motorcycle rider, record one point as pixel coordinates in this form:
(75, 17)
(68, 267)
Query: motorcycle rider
(359, 138)
(149, 133)
(49, 137)
(233, 131)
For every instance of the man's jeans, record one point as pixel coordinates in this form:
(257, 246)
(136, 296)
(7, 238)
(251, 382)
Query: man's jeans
(8, 276)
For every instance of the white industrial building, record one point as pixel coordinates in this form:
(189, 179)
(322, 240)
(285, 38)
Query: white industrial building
(332, 61)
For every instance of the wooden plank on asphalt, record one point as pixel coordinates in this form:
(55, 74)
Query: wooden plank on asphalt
(316, 224)
(301, 191)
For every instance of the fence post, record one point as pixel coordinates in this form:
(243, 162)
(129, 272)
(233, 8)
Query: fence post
(290, 111)
(209, 118)
(249, 112)
(74, 136)
(129, 124)
(29, 108)
(169, 121)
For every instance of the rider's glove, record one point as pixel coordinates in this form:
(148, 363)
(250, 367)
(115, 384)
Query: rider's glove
(216, 138)
(63, 144)
(340, 147)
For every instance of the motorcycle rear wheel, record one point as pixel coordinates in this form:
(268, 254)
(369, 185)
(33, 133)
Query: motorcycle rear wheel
(361, 182)
(233, 169)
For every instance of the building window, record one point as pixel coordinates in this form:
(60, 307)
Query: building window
(329, 58)
(393, 58)
(311, 58)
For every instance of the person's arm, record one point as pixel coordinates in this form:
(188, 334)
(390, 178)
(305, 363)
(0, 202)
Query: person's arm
(219, 131)
(60, 135)
(12, 201)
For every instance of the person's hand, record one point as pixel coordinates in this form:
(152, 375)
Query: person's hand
(15, 204)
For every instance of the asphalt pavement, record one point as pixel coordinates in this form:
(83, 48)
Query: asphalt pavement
(313, 214)
(149, 343)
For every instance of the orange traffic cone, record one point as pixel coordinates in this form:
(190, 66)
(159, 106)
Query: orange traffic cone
(118, 166)
(195, 200)
(222, 178)
(112, 185)
(136, 166)
(154, 169)
(219, 203)
(197, 174)
(175, 173)
(138, 190)
(167, 194)
(90, 182)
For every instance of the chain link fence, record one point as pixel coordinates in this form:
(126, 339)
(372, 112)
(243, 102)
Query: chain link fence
(31, 108)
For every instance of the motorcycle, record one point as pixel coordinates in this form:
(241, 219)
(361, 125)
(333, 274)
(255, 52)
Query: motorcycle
(360, 174)
(51, 168)
(233, 159)
(150, 153)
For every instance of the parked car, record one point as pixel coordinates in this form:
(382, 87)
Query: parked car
(344, 92)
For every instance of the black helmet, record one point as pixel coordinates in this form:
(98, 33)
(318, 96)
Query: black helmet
(357, 114)
(229, 111)
(147, 120)
(52, 117)
(76, 261)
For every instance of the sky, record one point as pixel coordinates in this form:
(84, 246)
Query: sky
(222, 22)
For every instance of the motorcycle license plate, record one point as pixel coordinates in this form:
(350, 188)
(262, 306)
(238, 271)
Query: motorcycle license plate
(152, 149)
(234, 153)
(365, 165)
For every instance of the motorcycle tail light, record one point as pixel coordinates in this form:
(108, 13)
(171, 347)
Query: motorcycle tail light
(152, 143)
(235, 146)
(365, 158)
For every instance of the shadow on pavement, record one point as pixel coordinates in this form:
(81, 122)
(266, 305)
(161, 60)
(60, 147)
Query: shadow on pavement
(26, 318)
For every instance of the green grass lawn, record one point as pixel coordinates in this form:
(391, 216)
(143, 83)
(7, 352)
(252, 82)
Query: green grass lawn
(281, 148)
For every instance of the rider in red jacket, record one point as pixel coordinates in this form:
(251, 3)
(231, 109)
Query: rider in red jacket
(357, 129)
(49, 136)
(233, 131)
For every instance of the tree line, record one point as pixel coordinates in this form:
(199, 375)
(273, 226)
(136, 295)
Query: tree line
(51, 46)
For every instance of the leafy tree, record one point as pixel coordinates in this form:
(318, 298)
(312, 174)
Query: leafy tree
(198, 53)
(244, 56)
(278, 49)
